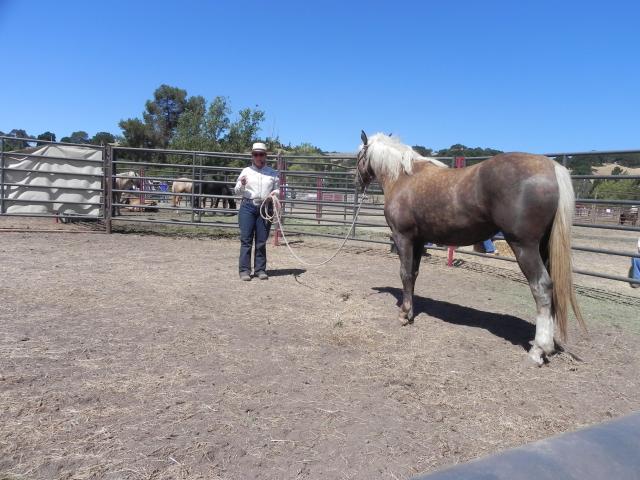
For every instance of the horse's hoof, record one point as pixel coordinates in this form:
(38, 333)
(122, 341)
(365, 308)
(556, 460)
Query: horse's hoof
(534, 357)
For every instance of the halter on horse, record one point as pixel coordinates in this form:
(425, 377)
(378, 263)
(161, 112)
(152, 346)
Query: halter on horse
(527, 197)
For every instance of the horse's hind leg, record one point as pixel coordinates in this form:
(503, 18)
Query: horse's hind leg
(534, 270)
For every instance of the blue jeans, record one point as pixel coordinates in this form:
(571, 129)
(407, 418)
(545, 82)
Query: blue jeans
(253, 228)
(488, 246)
(635, 268)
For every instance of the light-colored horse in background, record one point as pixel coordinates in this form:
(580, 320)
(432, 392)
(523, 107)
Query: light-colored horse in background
(181, 185)
(124, 181)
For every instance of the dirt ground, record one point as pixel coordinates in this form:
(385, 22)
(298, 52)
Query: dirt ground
(144, 357)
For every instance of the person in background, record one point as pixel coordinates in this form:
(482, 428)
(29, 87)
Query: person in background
(489, 247)
(255, 184)
(635, 268)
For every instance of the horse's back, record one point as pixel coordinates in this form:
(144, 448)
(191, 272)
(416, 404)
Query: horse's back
(513, 192)
(181, 185)
(519, 165)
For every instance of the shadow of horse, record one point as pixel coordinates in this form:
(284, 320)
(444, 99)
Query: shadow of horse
(513, 329)
(283, 272)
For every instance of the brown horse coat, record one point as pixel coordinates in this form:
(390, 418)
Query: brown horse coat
(462, 211)
(527, 197)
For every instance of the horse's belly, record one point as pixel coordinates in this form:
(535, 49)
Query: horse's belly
(458, 235)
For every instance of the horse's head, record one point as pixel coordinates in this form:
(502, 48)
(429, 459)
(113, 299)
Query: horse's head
(364, 173)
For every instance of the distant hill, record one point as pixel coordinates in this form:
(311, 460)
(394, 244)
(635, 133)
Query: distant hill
(607, 168)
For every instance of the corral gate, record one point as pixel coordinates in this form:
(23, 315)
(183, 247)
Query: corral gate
(48, 179)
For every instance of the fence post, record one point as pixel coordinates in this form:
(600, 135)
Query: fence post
(143, 187)
(459, 162)
(282, 180)
(319, 182)
(193, 185)
(344, 199)
(2, 168)
(107, 186)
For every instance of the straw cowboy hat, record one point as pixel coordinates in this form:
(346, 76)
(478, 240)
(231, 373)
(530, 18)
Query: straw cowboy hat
(259, 147)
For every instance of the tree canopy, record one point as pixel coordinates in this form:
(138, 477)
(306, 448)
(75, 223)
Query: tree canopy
(174, 120)
(49, 136)
(76, 137)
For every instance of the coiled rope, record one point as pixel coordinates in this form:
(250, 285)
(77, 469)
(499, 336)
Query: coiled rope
(276, 216)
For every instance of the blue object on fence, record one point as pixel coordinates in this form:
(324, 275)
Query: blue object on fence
(606, 451)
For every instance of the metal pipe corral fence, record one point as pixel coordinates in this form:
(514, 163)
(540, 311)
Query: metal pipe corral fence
(318, 193)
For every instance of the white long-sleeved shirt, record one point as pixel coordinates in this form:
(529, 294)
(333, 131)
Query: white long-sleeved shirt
(260, 183)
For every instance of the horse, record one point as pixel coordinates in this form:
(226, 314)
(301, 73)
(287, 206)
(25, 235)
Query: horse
(124, 181)
(629, 216)
(214, 190)
(527, 197)
(181, 185)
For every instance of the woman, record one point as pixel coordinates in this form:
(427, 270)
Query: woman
(255, 183)
(634, 271)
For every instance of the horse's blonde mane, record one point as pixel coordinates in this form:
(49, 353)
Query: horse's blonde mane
(388, 156)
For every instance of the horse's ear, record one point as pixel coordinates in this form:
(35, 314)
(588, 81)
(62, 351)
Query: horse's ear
(363, 137)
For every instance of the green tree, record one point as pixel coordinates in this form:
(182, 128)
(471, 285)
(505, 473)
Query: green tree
(459, 150)
(49, 136)
(19, 133)
(174, 120)
(425, 152)
(136, 133)
(624, 189)
(190, 133)
(243, 131)
(163, 112)
(216, 122)
(102, 138)
(10, 145)
(76, 137)
(581, 167)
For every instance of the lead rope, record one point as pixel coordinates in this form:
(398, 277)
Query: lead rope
(277, 207)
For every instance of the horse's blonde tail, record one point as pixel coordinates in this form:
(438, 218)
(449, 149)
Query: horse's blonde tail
(560, 254)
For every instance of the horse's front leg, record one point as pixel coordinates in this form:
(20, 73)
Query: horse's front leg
(408, 274)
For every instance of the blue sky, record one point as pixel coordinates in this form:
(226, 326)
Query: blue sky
(515, 75)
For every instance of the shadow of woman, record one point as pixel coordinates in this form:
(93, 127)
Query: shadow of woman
(282, 272)
(513, 329)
